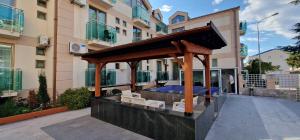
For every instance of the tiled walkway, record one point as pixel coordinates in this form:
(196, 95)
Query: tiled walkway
(241, 118)
(257, 118)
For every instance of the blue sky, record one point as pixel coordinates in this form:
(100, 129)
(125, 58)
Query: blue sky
(275, 30)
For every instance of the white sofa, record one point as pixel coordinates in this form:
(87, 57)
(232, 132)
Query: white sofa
(180, 106)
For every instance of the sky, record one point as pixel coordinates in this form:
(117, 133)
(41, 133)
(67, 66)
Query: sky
(275, 31)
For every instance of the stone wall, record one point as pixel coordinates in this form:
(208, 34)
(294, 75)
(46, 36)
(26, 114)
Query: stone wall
(278, 93)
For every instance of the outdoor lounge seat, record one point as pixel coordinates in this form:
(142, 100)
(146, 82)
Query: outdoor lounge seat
(179, 106)
(156, 104)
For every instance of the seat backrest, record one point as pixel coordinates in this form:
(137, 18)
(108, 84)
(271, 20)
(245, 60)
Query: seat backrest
(126, 93)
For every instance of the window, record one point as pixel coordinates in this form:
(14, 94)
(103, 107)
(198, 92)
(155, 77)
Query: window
(118, 29)
(214, 62)
(117, 20)
(177, 30)
(40, 51)
(124, 32)
(151, 36)
(147, 34)
(117, 65)
(41, 15)
(148, 68)
(97, 15)
(137, 34)
(40, 64)
(177, 19)
(42, 3)
(124, 23)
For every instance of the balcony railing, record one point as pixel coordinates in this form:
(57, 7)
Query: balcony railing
(161, 27)
(102, 32)
(244, 50)
(135, 39)
(10, 80)
(143, 76)
(141, 13)
(11, 19)
(162, 76)
(108, 77)
(243, 27)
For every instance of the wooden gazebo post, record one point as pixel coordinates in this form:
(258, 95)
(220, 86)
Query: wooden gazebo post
(207, 78)
(99, 67)
(133, 67)
(188, 82)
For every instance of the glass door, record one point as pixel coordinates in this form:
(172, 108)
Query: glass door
(216, 79)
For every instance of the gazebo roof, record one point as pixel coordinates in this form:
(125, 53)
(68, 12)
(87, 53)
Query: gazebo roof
(203, 39)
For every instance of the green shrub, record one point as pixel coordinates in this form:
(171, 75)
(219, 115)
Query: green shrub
(75, 98)
(9, 108)
(43, 97)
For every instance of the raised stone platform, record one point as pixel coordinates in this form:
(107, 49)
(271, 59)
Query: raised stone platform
(157, 123)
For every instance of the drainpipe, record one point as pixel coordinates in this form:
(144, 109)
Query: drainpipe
(55, 50)
(237, 51)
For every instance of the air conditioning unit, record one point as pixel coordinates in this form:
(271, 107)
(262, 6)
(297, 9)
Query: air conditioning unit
(44, 41)
(76, 48)
(81, 3)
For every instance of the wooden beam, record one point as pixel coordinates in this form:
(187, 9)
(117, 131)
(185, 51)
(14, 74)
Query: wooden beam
(202, 61)
(207, 78)
(194, 48)
(177, 45)
(134, 56)
(99, 67)
(188, 83)
(180, 62)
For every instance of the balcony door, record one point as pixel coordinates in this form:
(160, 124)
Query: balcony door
(137, 34)
(5, 67)
(97, 19)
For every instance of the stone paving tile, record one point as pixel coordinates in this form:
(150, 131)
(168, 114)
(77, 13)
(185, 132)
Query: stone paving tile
(88, 128)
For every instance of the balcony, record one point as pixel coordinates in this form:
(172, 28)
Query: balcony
(11, 21)
(162, 76)
(143, 76)
(243, 27)
(141, 16)
(10, 82)
(161, 28)
(100, 35)
(244, 50)
(108, 77)
(105, 3)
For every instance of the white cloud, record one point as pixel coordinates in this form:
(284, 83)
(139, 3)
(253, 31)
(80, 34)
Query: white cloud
(216, 2)
(216, 10)
(165, 8)
(252, 51)
(252, 39)
(280, 24)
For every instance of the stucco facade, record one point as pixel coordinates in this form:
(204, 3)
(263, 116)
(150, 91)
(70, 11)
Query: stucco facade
(72, 28)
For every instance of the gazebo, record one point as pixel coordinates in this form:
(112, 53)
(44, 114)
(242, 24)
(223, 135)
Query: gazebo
(189, 44)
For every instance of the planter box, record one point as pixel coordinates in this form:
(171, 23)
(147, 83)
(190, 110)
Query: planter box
(31, 115)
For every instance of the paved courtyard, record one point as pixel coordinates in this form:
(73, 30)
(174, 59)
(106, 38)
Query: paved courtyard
(241, 118)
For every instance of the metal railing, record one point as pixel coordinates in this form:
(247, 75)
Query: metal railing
(143, 76)
(276, 81)
(99, 31)
(141, 13)
(11, 18)
(162, 76)
(10, 79)
(161, 27)
(108, 77)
